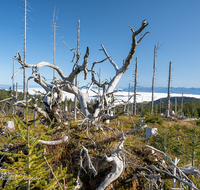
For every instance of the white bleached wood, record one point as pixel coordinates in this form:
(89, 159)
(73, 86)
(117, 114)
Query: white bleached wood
(119, 72)
(117, 165)
(65, 139)
(177, 178)
(89, 161)
(110, 59)
(66, 82)
(180, 171)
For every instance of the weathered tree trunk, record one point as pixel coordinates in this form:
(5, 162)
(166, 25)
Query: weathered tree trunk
(182, 106)
(117, 166)
(174, 171)
(16, 90)
(128, 107)
(24, 79)
(175, 105)
(54, 40)
(66, 83)
(13, 81)
(135, 86)
(76, 78)
(167, 113)
(156, 48)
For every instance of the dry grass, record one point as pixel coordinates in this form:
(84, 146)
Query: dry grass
(188, 124)
(80, 136)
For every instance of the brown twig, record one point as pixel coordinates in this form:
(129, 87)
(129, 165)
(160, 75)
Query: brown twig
(53, 173)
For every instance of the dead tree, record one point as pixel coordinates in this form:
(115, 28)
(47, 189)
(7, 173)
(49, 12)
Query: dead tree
(182, 115)
(24, 79)
(13, 81)
(181, 174)
(156, 48)
(135, 86)
(167, 114)
(54, 39)
(128, 96)
(76, 78)
(65, 83)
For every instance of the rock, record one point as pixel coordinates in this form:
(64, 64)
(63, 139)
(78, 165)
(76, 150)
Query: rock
(150, 132)
(9, 125)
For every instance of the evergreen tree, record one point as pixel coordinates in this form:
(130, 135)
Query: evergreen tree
(25, 166)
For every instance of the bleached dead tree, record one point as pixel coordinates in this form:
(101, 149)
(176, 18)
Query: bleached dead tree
(181, 173)
(24, 77)
(128, 96)
(76, 78)
(13, 81)
(135, 86)
(167, 114)
(156, 48)
(65, 83)
(55, 18)
(182, 106)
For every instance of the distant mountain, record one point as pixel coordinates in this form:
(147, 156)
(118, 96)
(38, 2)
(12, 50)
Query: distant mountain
(177, 90)
(172, 100)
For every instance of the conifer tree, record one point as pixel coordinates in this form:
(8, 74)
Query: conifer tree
(25, 166)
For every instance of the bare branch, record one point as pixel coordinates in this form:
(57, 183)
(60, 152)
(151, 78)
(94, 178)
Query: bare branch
(39, 65)
(180, 171)
(64, 140)
(89, 161)
(142, 36)
(110, 59)
(117, 165)
(133, 47)
(53, 173)
(177, 178)
(85, 63)
(70, 50)
(94, 81)
(117, 137)
(144, 24)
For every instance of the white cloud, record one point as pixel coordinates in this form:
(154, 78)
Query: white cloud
(141, 96)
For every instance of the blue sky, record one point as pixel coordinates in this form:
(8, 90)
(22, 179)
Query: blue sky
(173, 24)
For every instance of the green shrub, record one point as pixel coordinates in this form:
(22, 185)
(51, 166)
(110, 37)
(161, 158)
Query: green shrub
(198, 122)
(153, 119)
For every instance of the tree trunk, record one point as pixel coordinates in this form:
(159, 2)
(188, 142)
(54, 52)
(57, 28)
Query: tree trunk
(156, 48)
(167, 113)
(135, 86)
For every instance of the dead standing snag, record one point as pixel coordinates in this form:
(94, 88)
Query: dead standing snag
(65, 83)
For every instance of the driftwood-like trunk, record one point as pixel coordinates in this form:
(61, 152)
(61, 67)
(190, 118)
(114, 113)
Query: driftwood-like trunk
(156, 48)
(66, 83)
(24, 69)
(167, 113)
(181, 174)
(135, 86)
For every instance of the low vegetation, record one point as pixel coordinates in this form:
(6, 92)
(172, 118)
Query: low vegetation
(176, 138)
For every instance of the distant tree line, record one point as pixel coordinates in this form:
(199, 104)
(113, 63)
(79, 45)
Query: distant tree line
(191, 106)
(7, 108)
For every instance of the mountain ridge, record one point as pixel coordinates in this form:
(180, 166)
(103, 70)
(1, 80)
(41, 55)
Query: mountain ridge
(176, 90)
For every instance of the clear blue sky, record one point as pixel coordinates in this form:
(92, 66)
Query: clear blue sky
(172, 23)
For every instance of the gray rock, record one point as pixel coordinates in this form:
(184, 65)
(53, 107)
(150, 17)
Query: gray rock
(9, 125)
(150, 132)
